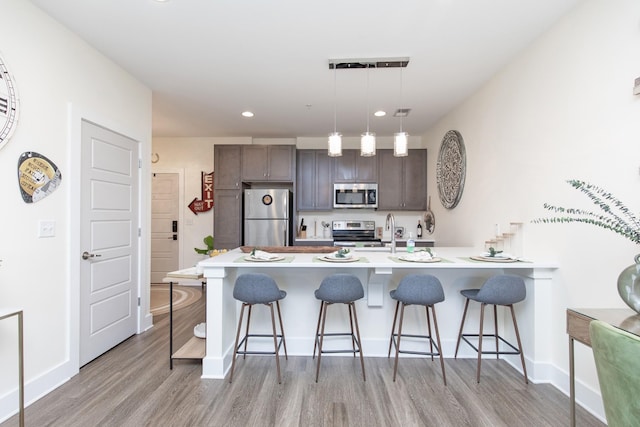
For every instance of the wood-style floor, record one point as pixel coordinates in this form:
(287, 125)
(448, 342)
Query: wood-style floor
(132, 385)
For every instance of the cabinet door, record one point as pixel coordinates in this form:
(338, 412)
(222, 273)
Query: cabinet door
(227, 219)
(415, 180)
(324, 181)
(305, 180)
(352, 167)
(254, 162)
(390, 184)
(227, 163)
(281, 163)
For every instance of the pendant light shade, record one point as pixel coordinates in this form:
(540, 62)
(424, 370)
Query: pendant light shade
(400, 144)
(335, 144)
(368, 144)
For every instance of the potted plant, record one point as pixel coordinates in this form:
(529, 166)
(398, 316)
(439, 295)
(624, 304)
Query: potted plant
(614, 216)
(209, 242)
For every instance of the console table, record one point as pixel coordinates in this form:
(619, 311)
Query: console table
(578, 321)
(4, 314)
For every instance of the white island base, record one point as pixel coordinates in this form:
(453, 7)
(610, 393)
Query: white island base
(300, 274)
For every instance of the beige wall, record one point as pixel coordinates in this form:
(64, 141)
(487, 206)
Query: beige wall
(563, 109)
(53, 70)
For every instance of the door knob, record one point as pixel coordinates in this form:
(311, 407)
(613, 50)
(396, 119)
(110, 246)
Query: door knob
(87, 255)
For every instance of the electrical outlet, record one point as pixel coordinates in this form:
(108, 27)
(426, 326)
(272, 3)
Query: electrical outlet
(46, 228)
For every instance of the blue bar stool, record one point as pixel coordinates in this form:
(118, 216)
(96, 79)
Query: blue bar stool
(504, 290)
(339, 289)
(258, 288)
(417, 289)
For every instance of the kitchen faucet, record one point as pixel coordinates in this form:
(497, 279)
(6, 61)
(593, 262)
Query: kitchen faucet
(393, 231)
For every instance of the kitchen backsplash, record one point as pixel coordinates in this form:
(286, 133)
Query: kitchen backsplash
(313, 221)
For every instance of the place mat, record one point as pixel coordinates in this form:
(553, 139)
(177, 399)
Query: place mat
(319, 259)
(436, 260)
(497, 260)
(284, 260)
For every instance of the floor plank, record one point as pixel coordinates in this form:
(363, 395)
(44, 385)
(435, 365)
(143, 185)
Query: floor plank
(131, 385)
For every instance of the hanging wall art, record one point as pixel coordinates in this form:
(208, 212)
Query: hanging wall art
(37, 176)
(451, 169)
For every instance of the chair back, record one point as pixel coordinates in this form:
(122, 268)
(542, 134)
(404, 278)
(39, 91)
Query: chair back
(503, 289)
(256, 288)
(617, 356)
(340, 288)
(421, 289)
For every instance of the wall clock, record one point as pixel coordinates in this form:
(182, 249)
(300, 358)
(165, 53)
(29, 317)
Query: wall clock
(8, 104)
(451, 169)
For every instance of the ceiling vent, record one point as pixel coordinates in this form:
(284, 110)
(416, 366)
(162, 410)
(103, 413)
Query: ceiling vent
(402, 112)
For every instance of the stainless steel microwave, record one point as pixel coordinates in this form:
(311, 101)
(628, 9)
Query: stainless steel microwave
(355, 196)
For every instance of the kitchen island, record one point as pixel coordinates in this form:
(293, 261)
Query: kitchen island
(300, 274)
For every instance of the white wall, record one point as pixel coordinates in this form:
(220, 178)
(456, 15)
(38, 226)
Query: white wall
(563, 109)
(52, 69)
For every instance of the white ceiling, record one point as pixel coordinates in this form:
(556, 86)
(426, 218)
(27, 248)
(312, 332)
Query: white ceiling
(208, 60)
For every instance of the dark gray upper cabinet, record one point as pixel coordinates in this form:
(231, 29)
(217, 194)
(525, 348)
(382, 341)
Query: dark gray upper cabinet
(226, 165)
(268, 163)
(314, 181)
(352, 167)
(402, 181)
(227, 219)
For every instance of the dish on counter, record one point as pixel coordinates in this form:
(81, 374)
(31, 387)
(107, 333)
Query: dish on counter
(496, 258)
(419, 257)
(262, 258)
(333, 257)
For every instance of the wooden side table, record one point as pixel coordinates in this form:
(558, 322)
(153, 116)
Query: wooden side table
(578, 321)
(4, 314)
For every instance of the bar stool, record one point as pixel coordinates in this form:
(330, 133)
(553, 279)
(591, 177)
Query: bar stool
(339, 289)
(504, 290)
(417, 289)
(258, 288)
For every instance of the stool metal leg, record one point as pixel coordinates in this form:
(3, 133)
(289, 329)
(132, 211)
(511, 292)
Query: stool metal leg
(284, 342)
(515, 327)
(246, 333)
(235, 346)
(355, 317)
(275, 341)
(435, 325)
(395, 364)
(495, 328)
(315, 340)
(482, 305)
(426, 308)
(464, 315)
(353, 339)
(324, 318)
(393, 327)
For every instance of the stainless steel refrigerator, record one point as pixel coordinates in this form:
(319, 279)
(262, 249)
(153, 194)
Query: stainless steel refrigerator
(267, 217)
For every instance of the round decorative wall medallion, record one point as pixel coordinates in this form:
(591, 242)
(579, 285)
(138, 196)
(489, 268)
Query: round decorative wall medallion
(451, 169)
(8, 104)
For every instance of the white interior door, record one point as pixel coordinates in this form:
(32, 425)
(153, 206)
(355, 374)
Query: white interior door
(164, 234)
(109, 240)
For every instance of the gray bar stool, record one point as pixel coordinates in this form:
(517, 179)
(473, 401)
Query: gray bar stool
(417, 289)
(339, 289)
(258, 288)
(504, 290)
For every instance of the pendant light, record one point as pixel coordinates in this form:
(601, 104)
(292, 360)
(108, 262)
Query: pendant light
(368, 139)
(400, 139)
(335, 138)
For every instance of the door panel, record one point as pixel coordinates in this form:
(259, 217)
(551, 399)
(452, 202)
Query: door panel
(164, 211)
(109, 235)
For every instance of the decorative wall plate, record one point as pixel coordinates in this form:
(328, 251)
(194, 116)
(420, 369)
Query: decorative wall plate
(8, 104)
(451, 169)
(37, 176)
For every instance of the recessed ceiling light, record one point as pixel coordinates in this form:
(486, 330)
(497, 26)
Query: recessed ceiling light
(380, 113)
(247, 114)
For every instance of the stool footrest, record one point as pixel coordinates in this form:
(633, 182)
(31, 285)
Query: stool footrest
(246, 337)
(423, 353)
(515, 349)
(341, 334)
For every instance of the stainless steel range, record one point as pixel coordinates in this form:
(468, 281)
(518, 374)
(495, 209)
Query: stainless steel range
(355, 233)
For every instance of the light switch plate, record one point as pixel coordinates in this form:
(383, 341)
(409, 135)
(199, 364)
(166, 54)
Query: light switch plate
(636, 87)
(46, 228)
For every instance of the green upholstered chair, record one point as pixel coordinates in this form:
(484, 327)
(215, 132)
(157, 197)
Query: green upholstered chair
(617, 356)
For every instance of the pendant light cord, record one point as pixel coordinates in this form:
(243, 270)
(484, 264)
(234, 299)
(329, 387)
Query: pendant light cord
(401, 99)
